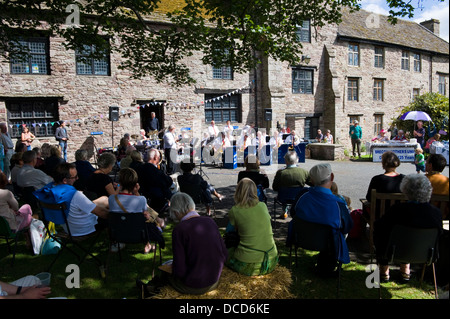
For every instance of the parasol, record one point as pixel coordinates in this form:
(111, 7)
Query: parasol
(416, 116)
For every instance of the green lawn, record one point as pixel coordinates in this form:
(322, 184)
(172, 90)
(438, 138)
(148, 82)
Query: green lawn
(121, 275)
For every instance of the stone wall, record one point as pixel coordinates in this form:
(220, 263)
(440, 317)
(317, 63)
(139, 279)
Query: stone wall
(84, 100)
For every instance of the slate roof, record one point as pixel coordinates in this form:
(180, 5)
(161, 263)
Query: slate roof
(366, 26)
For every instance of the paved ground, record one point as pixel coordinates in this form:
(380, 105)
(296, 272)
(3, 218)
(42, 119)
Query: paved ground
(352, 177)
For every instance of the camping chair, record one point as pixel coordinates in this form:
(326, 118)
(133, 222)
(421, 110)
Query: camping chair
(130, 228)
(196, 193)
(411, 245)
(286, 198)
(314, 237)
(56, 213)
(261, 194)
(7, 233)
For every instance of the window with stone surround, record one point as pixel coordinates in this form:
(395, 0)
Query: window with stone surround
(415, 93)
(33, 56)
(87, 65)
(379, 57)
(304, 31)
(377, 123)
(40, 115)
(302, 81)
(221, 108)
(353, 54)
(417, 62)
(223, 73)
(443, 79)
(378, 85)
(405, 60)
(352, 89)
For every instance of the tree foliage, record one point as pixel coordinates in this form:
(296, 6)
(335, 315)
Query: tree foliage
(436, 106)
(226, 32)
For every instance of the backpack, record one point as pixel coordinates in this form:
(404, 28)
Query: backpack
(357, 229)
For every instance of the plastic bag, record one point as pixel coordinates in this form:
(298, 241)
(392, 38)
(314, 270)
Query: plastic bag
(50, 246)
(37, 232)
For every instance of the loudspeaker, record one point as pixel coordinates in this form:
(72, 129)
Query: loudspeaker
(268, 114)
(114, 113)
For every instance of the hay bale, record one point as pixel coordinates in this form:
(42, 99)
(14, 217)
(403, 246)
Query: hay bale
(233, 285)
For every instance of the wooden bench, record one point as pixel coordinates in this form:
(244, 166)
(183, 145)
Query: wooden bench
(388, 199)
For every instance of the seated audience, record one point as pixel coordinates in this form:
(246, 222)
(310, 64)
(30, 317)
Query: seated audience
(291, 175)
(100, 183)
(53, 160)
(400, 137)
(430, 141)
(256, 253)
(136, 160)
(40, 163)
(16, 164)
(84, 216)
(199, 251)
(335, 190)
(381, 138)
(319, 136)
(30, 176)
(417, 212)
(388, 182)
(155, 184)
(328, 137)
(434, 166)
(320, 205)
(17, 217)
(187, 179)
(84, 168)
(24, 288)
(132, 201)
(252, 171)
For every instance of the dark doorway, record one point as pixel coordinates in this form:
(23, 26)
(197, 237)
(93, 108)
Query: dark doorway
(145, 110)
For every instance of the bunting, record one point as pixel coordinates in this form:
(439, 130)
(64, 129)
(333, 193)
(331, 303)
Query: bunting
(86, 120)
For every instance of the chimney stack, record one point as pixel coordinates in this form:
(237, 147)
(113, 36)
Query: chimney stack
(432, 25)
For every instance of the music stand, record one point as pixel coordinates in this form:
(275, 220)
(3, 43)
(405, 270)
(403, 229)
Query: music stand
(200, 170)
(94, 134)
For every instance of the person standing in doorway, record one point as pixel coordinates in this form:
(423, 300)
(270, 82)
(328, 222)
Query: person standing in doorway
(62, 137)
(355, 135)
(153, 124)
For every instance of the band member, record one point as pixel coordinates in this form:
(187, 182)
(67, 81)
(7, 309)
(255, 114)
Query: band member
(170, 148)
(153, 123)
(292, 139)
(213, 130)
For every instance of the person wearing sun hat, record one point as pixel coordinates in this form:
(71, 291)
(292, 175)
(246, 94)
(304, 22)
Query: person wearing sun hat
(380, 138)
(320, 205)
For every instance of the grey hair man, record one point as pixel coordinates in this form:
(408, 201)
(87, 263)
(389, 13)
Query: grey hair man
(319, 205)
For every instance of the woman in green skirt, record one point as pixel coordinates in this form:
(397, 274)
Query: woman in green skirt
(256, 253)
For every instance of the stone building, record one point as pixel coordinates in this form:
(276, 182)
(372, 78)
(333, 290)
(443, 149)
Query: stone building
(364, 68)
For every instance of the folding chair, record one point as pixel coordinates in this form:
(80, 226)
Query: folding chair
(7, 233)
(412, 245)
(131, 228)
(314, 237)
(261, 194)
(286, 198)
(196, 193)
(56, 213)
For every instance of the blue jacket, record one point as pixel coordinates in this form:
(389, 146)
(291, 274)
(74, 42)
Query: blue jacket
(320, 205)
